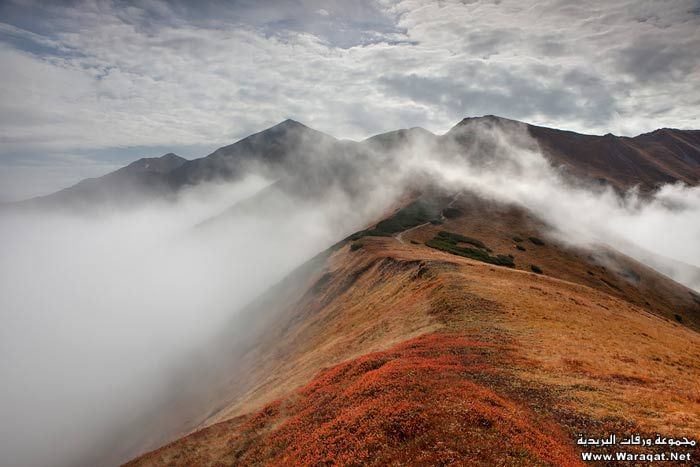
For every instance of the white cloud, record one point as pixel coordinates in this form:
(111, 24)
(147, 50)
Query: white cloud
(104, 315)
(164, 74)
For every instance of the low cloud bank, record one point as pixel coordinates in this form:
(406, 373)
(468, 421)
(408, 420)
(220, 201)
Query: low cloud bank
(100, 312)
(503, 163)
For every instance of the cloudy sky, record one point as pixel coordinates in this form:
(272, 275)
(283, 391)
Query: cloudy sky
(86, 87)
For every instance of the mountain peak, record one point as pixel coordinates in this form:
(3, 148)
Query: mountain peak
(285, 129)
(171, 155)
(289, 123)
(486, 118)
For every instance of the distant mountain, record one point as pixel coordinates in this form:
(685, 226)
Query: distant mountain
(310, 160)
(143, 179)
(288, 147)
(265, 152)
(662, 156)
(647, 160)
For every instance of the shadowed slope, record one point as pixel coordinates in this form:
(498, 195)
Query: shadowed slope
(647, 160)
(139, 181)
(312, 161)
(265, 152)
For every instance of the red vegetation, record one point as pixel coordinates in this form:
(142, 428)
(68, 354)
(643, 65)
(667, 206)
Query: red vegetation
(411, 405)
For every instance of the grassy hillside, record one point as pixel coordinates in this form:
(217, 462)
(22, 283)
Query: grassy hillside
(401, 353)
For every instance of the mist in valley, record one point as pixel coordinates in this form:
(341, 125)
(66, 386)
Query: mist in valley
(112, 318)
(107, 315)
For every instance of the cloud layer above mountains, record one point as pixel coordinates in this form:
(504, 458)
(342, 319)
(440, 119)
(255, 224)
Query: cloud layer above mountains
(83, 78)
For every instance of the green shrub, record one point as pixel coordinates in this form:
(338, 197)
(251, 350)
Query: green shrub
(452, 213)
(520, 247)
(375, 233)
(678, 317)
(536, 269)
(517, 239)
(446, 243)
(356, 235)
(415, 242)
(457, 238)
(356, 246)
(536, 241)
(416, 213)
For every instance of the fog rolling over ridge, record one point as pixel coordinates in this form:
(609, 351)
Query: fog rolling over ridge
(102, 312)
(645, 224)
(109, 313)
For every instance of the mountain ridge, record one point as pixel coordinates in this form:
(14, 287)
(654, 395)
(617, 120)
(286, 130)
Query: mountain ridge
(529, 340)
(647, 160)
(464, 291)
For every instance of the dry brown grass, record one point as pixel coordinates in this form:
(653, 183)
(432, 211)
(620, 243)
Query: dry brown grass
(580, 352)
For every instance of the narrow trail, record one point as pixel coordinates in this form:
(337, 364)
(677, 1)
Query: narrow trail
(451, 203)
(399, 236)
